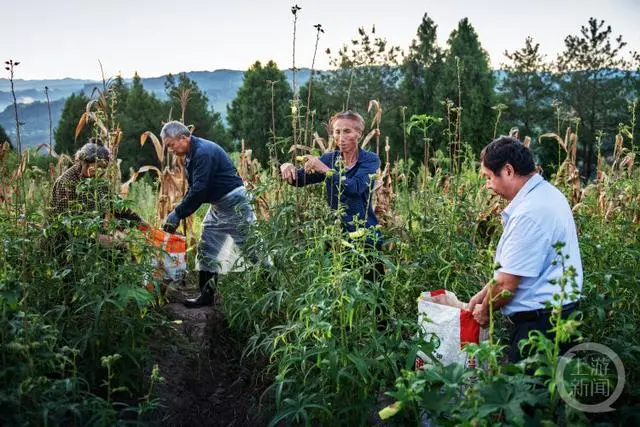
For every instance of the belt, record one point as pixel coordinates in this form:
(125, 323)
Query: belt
(530, 316)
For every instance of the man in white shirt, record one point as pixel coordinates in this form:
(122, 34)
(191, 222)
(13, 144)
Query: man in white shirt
(536, 219)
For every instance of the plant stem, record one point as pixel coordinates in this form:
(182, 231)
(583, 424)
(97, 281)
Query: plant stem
(46, 92)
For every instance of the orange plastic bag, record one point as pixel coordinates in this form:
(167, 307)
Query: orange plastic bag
(171, 265)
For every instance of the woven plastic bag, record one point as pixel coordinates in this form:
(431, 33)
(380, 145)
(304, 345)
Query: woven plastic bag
(445, 321)
(171, 264)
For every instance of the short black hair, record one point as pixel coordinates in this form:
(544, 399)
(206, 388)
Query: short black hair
(505, 150)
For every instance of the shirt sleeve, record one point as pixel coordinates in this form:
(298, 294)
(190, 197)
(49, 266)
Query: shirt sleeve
(303, 178)
(203, 167)
(524, 249)
(360, 182)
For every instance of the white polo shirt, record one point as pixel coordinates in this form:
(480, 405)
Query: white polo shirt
(535, 220)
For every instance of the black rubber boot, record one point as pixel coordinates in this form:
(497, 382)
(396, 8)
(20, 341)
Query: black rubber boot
(207, 288)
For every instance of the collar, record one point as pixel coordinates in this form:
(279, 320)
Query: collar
(359, 158)
(76, 171)
(532, 183)
(192, 144)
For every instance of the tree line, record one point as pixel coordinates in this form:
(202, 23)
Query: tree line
(450, 95)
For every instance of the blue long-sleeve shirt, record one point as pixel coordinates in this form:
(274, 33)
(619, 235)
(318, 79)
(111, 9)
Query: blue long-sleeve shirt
(210, 174)
(353, 192)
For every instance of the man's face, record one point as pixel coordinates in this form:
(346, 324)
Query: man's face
(499, 184)
(346, 134)
(178, 145)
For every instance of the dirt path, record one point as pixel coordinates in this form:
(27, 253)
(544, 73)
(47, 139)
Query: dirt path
(206, 384)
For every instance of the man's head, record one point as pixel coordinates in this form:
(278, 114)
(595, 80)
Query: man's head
(507, 164)
(347, 129)
(92, 155)
(176, 136)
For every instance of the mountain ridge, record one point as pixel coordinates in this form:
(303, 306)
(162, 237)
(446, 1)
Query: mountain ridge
(219, 85)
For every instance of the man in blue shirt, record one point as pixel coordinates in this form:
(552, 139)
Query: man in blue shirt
(346, 173)
(212, 179)
(537, 217)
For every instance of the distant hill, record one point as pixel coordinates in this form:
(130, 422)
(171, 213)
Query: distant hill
(220, 86)
(35, 119)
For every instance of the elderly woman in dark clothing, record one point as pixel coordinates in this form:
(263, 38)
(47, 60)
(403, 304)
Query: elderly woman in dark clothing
(66, 194)
(71, 196)
(346, 173)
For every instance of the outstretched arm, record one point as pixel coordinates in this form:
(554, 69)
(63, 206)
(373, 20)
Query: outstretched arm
(304, 176)
(361, 181)
(196, 195)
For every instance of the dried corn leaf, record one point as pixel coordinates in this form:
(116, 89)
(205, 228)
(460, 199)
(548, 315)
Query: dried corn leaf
(48, 147)
(627, 162)
(124, 188)
(156, 144)
(320, 141)
(573, 138)
(300, 147)
(556, 137)
(21, 168)
(81, 124)
(374, 132)
(617, 147)
(377, 118)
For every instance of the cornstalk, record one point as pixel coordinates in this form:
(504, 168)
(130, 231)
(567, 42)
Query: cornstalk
(458, 116)
(403, 109)
(319, 29)
(46, 92)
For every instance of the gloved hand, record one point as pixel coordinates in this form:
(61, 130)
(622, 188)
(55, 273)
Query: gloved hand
(171, 223)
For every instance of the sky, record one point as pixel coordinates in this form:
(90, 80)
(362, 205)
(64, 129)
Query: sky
(68, 38)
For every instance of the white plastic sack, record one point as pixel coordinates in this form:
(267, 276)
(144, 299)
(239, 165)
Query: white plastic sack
(171, 264)
(445, 321)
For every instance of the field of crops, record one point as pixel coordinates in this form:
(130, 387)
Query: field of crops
(79, 329)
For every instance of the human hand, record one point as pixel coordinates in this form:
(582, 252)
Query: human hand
(171, 223)
(476, 299)
(313, 164)
(105, 240)
(288, 172)
(481, 314)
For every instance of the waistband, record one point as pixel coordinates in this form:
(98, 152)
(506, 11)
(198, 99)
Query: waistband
(232, 193)
(530, 316)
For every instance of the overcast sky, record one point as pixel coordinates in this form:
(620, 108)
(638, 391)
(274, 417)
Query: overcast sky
(66, 38)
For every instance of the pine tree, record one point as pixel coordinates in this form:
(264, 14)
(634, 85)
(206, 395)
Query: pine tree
(187, 102)
(593, 79)
(366, 69)
(422, 70)
(467, 81)
(250, 113)
(4, 137)
(527, 90)
(141, 112)
(64, 133)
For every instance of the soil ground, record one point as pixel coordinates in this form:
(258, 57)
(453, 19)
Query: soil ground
(205, 381)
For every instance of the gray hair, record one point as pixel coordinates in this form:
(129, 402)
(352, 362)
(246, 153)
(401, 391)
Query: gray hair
(92, 151)
(174, 129)
(351, 115)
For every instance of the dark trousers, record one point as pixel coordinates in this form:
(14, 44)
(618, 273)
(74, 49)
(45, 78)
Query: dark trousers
(520, 324)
